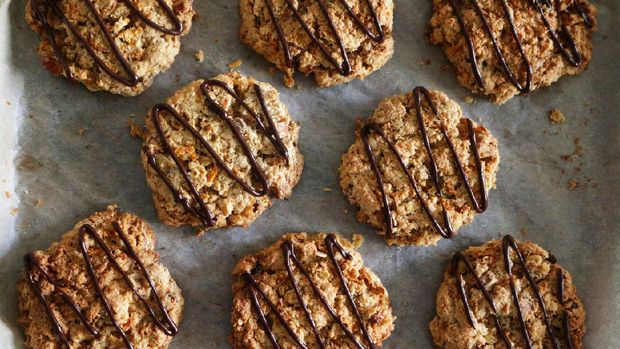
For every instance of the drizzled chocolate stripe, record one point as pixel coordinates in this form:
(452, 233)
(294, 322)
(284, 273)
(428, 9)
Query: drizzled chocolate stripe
(41, 7)
(509, 244)
(565, 316)
(288, 249)
(445, 232)
(202, 212)
(167, 325)
(573, 57)
(345, 67)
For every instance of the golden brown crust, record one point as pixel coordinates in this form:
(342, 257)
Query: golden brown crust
(258, 32)
(65, 262)
(547, 63)
(268, 268)
(147, 50)
(397, 118)
(451, 329)
(225, 198)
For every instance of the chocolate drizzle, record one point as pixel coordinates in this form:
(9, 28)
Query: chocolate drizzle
(288, 249)
(565, 316)
(573, 57)
(41, 7)
(202, 212)
(345, 67)
(509, 244)
(166, 325)
(479, 206)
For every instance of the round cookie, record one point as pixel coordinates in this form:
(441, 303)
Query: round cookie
(500, 56)
(334, 41)
(417, 199)
(343, 304)
(116, 46)
(476, 307)
(75, 294)
(210, 163)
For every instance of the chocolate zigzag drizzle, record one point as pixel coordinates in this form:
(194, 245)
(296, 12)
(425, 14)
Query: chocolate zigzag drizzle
(445, 232)
(573, 57)
(202, 212)
(345, 67)
(288, 250)
(508, 244)
(41, 7)
(167, 325)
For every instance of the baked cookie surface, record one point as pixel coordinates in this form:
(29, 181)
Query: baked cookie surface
(308, 290)
(75, 294)
(410, 197)
(500, 56)
(478, 294)
(113, 45)
(218, 151)
(334, 41)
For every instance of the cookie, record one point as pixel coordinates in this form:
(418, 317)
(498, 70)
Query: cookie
(308, 291)
(507, 294)
(333, 41)
(418, 169)
(100, 286)
(115, 45)
(218, 151)
(506, 47)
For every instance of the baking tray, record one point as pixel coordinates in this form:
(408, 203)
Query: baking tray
(56, 174)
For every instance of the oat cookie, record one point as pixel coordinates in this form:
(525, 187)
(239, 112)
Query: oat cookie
(111, 45)
(418, 169)
(476, 305)
(334, 41)
(513, 46)
(309, 291)
(218, 151)
(100, 286)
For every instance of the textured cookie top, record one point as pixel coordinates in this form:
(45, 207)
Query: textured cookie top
(96, 299)
(207, 159)
(112, 45)
(500, 56)
(476, 305)
(308, 291)
(334, 41)
(433, 197)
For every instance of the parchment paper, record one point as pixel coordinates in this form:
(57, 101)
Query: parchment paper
(71, 175)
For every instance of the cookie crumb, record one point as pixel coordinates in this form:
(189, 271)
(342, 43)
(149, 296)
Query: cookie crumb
(80, 131)
(578, 147)
(357, 240)
(556, 116)
(288, 81)
(8, 103)
(28, 163)
(235, 64)
(38, 203)
(14, 211)
(573, 185)
(7, 195)
(327, 189)
(136, 130)
(524, 232)
(345, 211)
(200, 56)
(469, 99)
